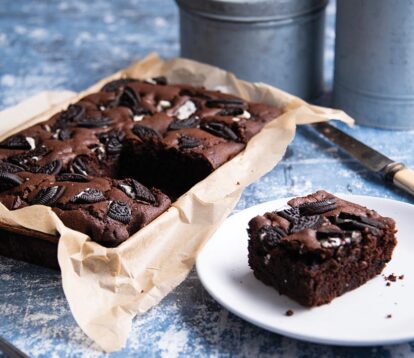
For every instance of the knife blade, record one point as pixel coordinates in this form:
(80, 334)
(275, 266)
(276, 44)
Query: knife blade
(10, 350)
(392, 171)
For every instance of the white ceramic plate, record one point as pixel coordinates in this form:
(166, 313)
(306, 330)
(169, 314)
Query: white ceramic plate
(358, 318)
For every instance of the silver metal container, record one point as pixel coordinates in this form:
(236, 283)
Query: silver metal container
(279, 42)
(374, 62)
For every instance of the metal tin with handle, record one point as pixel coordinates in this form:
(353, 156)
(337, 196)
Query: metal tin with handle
(279, 42)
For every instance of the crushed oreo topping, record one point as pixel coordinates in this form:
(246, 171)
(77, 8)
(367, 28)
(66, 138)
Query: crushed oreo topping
(113, 141)
(48, 196)
(220, 130)
(160, 80)
(74, 113)
(88, 196)
(235, 111)
(31, 155)
(120, 211)
(292, 214)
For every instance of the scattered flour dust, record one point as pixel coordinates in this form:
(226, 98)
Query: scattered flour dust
(172, 342)
(41, 317)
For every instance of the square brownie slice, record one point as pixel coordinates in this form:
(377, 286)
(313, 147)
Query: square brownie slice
(320, 247)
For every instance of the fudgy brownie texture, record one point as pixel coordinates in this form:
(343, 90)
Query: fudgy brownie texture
(99, 162)
(320, 247)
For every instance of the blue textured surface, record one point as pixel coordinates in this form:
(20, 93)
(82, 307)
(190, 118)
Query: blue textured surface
(71, 44)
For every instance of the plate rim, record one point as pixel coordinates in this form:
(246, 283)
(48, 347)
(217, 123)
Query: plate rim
(289, 333)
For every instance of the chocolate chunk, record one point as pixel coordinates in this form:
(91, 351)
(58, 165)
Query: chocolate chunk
(11, 168)
(187, 142)
(145, 133)
(120, 211)
(271, 236)
(51, 168)
(79, 166)
(9, 180)
(289, 313)
(88, 196)
(89, 122)
(306, 222)
(317, 207)
(31, 155)
(220, 130)
(74, 113)
(16, 142)
(79, 178)
(191, 122)
(234, 112)
(212, 103)
(116, 84)
(48, 196)
(291, 214)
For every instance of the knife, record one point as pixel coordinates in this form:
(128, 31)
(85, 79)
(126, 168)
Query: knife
(391, 171)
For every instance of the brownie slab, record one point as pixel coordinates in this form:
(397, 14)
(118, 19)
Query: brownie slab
(319, 247)
(112, 162)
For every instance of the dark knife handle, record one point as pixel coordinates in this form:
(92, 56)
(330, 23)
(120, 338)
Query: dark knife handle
(400, 176)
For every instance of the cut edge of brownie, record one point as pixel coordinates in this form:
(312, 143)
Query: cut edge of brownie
(335, 248)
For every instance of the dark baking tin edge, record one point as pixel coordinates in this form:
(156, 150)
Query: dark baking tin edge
(28, 245)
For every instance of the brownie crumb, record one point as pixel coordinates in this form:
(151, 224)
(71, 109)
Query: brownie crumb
(401, 277)
(389, 316)
(391, 278)
(238, 183)
(289, 313)
(388, 284)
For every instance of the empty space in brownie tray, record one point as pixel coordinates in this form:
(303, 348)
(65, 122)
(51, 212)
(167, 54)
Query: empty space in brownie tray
(115, 160)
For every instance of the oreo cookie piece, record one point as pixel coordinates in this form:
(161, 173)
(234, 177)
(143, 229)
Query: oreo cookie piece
(191, 122)
(120, 211)
(291, 214)
(145, 133)
(220, 130)
(51, 168)
(116, 84)
(317, 207)
(31, 156)
(74, 113)
(113, 141)
(228, 102)
(79, 165)
(137, 191)
(187, 142)
(270, 236)
(78, 178)
(9, 180)
(11, 168)
(48, 196)
(90, 122)
(306, 222)
(18, 142)
(88, 196)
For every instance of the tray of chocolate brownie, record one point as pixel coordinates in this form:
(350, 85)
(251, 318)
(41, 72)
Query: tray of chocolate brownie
(121, 185)
(331, 269)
